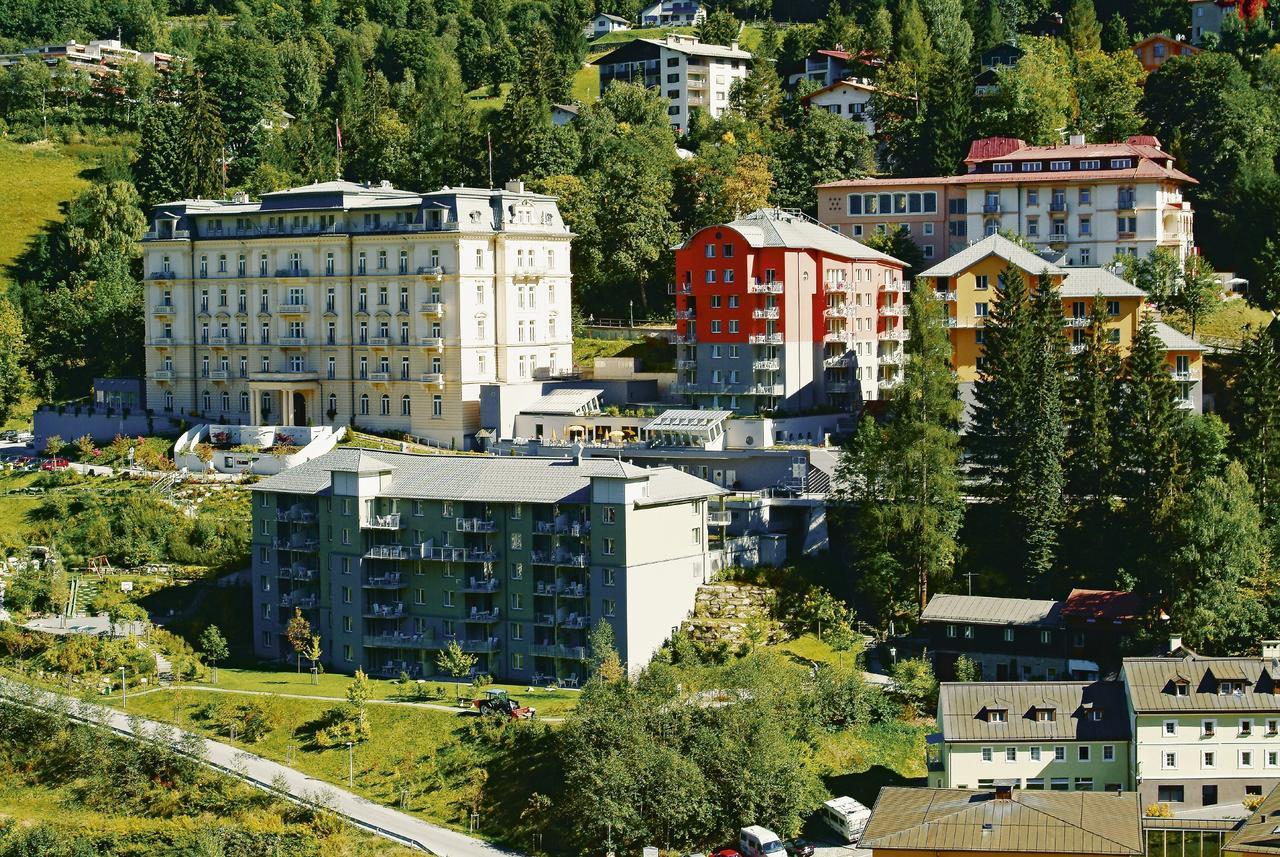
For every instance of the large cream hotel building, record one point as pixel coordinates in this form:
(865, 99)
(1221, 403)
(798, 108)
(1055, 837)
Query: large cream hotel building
(340, 302)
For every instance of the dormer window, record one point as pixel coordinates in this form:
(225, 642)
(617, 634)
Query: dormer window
(1046, 715)
(1031, 166)
(1230, 688)
(1095, 715)
(1002, 167)
(1181, 687)
(997, 715)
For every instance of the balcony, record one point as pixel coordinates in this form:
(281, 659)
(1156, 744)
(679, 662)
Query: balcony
(1076, 321)
(385, 581)
(432, 308)
(573, 590)
(379, 377)
(1058, 205)
(679, 288)
(491, 644)
(296, 515)
(293, 308)
(1057, 238)
(764, 390)
(297, 545)
(293, 272)
(162, 275)
(163, 309)
(835, 336)
(686, 314)
(563, 558)
(894, 310)
(563, 528)
(382, 522)
(894, 287)
(770, 288)
(770, 365)
(219, 374)
(686, 364)
(483, 585)
(991, 207)
(162, 341)
(449, 553)
(485, 616)
(1184, 375)
(888, 383)
(1077, 348)
(836, 359)
(396, 552)
(302, 602)
(380, 341)
(293, 341)
(393, 610)
(544, 620)
(435, 342)
(893, 334)
(946, 297)
(575, 622)
(436, 378)
(838, 387)
(433, 271)
(552, 650)
(162, 375)
(400, 641)
(766, 313)
(680, 339)
(841, 288)
(1126, 202)
(897, 358)
(475, 525)
(719, 518)
(300, 573)
(765, 339)
(836, 311)
(1126, 235)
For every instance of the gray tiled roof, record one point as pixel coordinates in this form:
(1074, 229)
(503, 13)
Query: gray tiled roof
(565, 401)
(1044, 822)
(1153, 684)
(1176, 340)
(993, 245)
(986, 610)
(775, 227)
(962, 706)
(487, 478)
(1087, 282)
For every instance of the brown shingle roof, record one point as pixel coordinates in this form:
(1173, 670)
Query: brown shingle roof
(961, 706)
(959, 820)
(986, 610)
(1104, 605)
(1151, 684)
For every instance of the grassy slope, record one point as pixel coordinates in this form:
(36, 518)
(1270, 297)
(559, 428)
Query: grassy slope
(1226, 322)
(657, 355)
(14, 508)
(36, 177)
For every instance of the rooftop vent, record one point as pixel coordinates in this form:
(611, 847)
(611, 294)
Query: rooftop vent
(987, 827)
(515, 186)
(1271, 648)
(1076, 139)
(1175, 642)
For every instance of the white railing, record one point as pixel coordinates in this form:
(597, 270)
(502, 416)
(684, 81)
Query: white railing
(765, 339)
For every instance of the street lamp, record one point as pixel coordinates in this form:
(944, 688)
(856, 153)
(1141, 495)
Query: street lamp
(123, 699)
(351, 765)
(893, 653)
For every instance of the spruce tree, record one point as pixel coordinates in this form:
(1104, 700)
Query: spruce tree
(205, 144)
(1256, 419)
(1083, 31)
(912, 43)
(900, 481)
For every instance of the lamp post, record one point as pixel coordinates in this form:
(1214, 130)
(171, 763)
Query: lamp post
(123, 699)
(351, 765)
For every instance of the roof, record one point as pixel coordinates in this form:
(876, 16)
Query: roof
(679, 420)
(1087, 282)
(851, 83)
(615, 18)
(1104, 605)
(1045, 822)
(777, 227)
(961, 707)
(992, 245)
(691, 46)
(570, 401)
(486, 478)
(1176, 340)
(1260, 832)
(985, 610)
(1151, 683)
(1165, 37)
(567, 108)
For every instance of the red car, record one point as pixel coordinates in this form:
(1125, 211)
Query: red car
(54, 464)
(726, 852)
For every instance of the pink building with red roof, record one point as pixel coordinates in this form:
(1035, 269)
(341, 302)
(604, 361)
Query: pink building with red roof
(1085, 202)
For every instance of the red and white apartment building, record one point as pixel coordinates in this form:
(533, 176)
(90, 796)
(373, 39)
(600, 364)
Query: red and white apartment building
(776, 311)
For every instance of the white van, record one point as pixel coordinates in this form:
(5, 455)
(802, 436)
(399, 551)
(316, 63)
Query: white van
(846, 817)
(757, 841)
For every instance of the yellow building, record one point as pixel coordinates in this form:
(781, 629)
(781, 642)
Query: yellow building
(970, 283)
(922, 822)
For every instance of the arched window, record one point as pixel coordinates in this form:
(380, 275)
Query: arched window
(333, 403)
(406, 409)
(244, 403)
(364, 404)
(386, 405)
(226, 401)
(206, 401)
(168, 401)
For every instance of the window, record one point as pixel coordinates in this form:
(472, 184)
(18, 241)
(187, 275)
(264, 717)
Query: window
(927, 229)
(968, 632)
(1169, 794)
(1004, 167)
(1011, 754)
(1122, 163)
(711, 251)
(1246, 758)
(986, 754)
(997, 715)
(607, 577)
(1060, 784)
(1046, 715)
(1086, 196)
(346, 595)
(1273, 726)
(610, 546)
(1035, 754)
(1059, 165)
(1207, 728)
(406, 407)
(1059, 754)
(609, 606)
(517, 601)
(437, 406)
(517, 541)
(1084, 784)
(951, 631)
(447, 599)
(1168, 760)
(1246, 728)
(981, 310)
(609, 514)
(1033, 197)
(1031, 166)
(1045, 637)
(1035, 784)
(1207, 759)
(980, 282)
(1083, 752)
(1273, 758)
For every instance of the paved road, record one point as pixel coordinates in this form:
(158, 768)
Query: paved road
(382, 820)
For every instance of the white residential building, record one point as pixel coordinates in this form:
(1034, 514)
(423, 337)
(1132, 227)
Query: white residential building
(672, 13)
(340, 302)
(603, 24)
(690, 74)
(849, 99)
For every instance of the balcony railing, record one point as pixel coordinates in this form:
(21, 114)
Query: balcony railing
(490, 644)
(1075, 321)
(401, 641)
(379, 376)
(293, 308)
(475, 525)
(432, 308)
(991, 208)
(765, 339)
(835, 336)
(893, 333)
(764, 390)
(293, 272)
(680, 339)
(836, 311)
(299, 573)
(946, 296)
(888, 383)
(573, 653)
(219, 374)
(431, 271)
(292, 341)
(383, 522)
(719, 518)
(685, 314)
(772, 287)
(564, 558)
(297, 545)
(385, 581)
(767, 313)
(686, 364)
(162, 341)
(435, 342)
(837, 386)
(894, 286)
(302, 602)
(1185, 375)
(481, 585)
(841, 288)
(449, 553)
(163, 309)
(770, 365)
(162, 375)
(486, 616)
(394, 610)
(894, 310)
(836, 359)
(1058, 205)
(398, 552)
(436, 378)
(679, 288)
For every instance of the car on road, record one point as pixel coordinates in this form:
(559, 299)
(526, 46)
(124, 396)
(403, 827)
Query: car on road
(798, 848)
(54, 464)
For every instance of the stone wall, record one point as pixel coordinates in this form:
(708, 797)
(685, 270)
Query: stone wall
(723, 612)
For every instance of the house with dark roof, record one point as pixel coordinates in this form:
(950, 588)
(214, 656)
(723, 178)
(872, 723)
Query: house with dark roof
(393, 557)
(907, 822)
(1207, 729)
(1010, 639)
(1055, 736)
(826, 66)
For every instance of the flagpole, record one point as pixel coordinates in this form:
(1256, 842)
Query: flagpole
(337, 131)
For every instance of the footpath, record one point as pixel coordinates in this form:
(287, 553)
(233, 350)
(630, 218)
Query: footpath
(272, 776)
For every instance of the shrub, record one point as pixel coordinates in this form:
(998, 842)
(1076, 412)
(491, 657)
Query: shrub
(340, 724)
(1252, 802)
(1159, 810)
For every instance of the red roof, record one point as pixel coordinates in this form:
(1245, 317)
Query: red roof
(1146, 169)
(1143, 140)
(993, 147)
(1104, 605)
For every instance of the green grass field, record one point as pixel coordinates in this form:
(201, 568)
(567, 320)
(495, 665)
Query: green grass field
(37, 178)
(1226, 322)
(15, 508)
(656, 355)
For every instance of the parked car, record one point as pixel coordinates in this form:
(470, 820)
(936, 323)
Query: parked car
(726, 852)
(798, 848)
(757, 841)
(8, 436)
(54, 464)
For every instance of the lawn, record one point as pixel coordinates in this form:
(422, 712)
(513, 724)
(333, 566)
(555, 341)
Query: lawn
(586, 84)
(422, 751)
(859, 762)
(1225, 324)
(656, 354)
(484, 101)
(14, 508)
(550, 703)
(37, 178)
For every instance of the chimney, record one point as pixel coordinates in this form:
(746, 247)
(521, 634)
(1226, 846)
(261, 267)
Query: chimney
(1175, 642)
(1076, 139)
(1271, 648)
(515, 186)
(733, 45)
(577, 454)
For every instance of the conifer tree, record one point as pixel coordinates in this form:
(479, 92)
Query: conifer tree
(205, 143)
(1256, 419)
(1093, 392)
(899, 482)
(1083, 31)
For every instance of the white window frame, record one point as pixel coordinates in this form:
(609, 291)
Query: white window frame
(986, 754)
(1170, 729)
(1168, 760)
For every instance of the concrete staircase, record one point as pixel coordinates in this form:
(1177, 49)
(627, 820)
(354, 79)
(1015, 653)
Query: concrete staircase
(83, 591)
